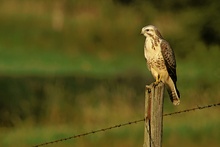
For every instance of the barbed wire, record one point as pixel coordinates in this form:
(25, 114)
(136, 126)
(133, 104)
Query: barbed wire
(126, 124)
(193, 109)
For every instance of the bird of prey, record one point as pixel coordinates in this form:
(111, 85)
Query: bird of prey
(161, 61)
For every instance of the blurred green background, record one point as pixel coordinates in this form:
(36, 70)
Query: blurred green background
(72, 66)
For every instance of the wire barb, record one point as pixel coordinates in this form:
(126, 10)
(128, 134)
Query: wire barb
(125, 124)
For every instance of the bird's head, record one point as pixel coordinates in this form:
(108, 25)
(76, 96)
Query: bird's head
(150, 31)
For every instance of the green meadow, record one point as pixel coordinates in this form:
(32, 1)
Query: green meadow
(71, 67)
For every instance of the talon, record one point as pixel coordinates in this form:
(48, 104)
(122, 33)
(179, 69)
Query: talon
(156, 83)
(158, 80)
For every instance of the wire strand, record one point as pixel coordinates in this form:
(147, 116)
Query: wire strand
(125, 124)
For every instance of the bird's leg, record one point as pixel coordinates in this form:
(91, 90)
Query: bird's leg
(158, 79)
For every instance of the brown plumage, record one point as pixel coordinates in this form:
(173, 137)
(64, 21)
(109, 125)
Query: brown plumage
(161, 61)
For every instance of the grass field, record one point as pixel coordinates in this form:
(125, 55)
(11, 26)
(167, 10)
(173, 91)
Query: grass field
(70, 67)
(58, 104)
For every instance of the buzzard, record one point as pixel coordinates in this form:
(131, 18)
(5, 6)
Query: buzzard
(161, 61)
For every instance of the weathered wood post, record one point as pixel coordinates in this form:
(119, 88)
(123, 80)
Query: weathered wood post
(153, 115)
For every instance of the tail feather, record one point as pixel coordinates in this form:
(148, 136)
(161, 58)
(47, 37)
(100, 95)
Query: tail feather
(174, 94)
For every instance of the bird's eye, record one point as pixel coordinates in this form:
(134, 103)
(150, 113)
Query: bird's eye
(147, 30)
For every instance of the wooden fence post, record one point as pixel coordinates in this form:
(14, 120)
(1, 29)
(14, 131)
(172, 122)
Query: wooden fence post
(153, 115)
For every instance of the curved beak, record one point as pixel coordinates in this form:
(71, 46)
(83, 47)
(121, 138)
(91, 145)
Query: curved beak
(142, 32)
